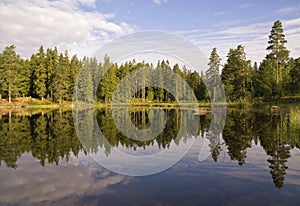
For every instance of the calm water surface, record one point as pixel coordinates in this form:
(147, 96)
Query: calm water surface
(255, 160)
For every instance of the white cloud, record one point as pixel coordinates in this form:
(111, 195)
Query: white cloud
(289, 10)
(220, 13)
(28, 24)
(158, 2)
(246, 6)
(253, 36)
(89, 3)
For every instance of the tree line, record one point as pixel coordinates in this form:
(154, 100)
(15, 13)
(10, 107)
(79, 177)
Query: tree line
(52, 75)
(276, 76)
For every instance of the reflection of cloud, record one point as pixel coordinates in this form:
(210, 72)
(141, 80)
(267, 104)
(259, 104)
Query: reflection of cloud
(33, 184)
(143, 165)
(256, 167)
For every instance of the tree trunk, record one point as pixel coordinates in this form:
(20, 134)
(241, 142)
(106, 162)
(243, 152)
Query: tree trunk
(244, 83)
(277, 70)
(9, 93)
(215, 84)
(9, 119)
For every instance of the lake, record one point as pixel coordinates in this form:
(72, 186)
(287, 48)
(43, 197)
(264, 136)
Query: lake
(52, 158)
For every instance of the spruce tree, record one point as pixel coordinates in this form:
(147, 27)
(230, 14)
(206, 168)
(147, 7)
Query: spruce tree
(294, 84)
(264, 81)
(278, 51)
(40, 74)
(75, 67)
(84, 83)
(51, 63)
(9, 71)
(60, 78)
(212, 74)
(236, 74)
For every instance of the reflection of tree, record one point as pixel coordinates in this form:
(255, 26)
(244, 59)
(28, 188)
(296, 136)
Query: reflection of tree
(15, 139)
(277, 164)
(276, 143)
(141, 119)
(52, 136)
(214, 145)
(48, 137)
(237, 135)
(214, 134)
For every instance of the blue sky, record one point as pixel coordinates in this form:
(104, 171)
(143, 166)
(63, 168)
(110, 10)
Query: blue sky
(172, 15)
(82, 26)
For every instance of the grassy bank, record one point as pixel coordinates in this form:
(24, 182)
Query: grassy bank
(32, 103)
(28, 102)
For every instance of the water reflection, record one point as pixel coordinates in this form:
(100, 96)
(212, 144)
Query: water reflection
(274, 132)
(51, 137)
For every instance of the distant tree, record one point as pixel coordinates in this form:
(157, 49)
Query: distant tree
(40, 74)
(195, 82)
(213, 72)
(166, 80)
(75, 67)
(95, 72)
(294, 84)
(10, 64)
(158, 78)
(178, 88)
(84, 85)
(278, 51)
(24, 78)
(109, 80)
(122, 73)
(51, 64)
(60, 78)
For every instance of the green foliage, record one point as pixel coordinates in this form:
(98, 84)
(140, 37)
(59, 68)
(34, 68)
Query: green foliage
(75, 67)
(40, 74)
(10, 78)
(236, 75)
(278, 52)
(294, 84)
(264, 81)
(109, 82)
(213, 74)
(84, 84)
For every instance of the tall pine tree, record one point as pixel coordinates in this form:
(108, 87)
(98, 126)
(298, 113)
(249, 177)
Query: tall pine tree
(212, 74)
(278, 51)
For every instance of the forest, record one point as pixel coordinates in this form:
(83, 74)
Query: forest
(51, 75)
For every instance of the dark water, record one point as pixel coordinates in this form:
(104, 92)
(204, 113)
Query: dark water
(255, 160)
